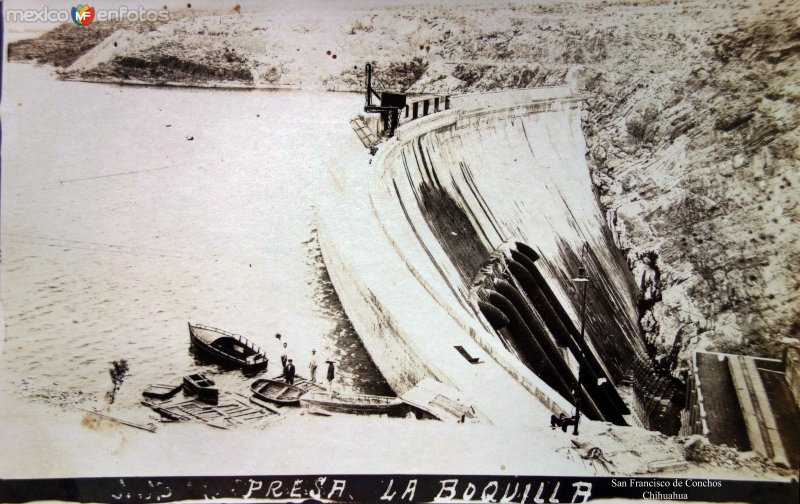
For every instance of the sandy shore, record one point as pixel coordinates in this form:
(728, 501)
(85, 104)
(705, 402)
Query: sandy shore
(78, 444)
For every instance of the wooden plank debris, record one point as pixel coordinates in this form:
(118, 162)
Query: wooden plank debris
(232, 410)
(148, 428)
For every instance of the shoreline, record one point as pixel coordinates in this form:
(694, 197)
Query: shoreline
(304, 444)
(221, 85)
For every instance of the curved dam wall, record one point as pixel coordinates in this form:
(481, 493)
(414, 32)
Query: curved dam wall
(487, 206)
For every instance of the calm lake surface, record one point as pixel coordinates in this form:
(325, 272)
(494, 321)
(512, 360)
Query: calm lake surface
(129, 211)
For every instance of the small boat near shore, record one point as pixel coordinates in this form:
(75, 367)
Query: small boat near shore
(277, 392)
(162, 391)
(362, 404)
(202, 386)
(227, 348)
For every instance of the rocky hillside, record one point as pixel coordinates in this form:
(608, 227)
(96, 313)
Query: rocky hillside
(691, 120)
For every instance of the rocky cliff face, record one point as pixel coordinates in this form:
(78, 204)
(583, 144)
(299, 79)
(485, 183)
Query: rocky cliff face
(697, 166)
(691, 118)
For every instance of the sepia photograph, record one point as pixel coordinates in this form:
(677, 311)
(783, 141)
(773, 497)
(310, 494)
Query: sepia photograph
(372, 251)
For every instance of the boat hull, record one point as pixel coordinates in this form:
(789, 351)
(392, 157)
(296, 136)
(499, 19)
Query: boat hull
(276, 392)
(205, 389)
(359, 405)
(162, 391)
(213, 350)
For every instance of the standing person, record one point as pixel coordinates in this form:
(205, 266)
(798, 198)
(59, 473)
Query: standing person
(289, 373)
(330, 377)
(284, 358)
(312, 365)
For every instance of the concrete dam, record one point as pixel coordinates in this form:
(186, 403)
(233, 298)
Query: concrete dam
(453, 251)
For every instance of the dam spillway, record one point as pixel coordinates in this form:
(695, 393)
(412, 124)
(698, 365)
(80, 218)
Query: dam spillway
(461, 238)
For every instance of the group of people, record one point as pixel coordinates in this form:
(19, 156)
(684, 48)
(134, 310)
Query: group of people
(290, 372)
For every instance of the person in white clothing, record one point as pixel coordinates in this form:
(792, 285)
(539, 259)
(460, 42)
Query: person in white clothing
(312, 365)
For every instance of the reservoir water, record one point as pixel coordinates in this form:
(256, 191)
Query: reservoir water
(129, 211)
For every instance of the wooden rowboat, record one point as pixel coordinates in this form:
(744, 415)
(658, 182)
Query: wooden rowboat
(277, 392)
(363, 404)
(204, 387)
(227, 348)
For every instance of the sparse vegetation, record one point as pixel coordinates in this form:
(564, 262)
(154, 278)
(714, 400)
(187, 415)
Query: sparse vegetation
(405, 73)
(119, 370)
